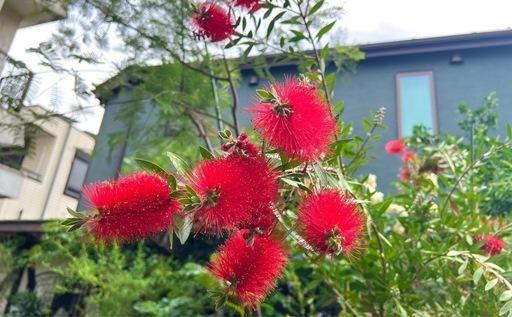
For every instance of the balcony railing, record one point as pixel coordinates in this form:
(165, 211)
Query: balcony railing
(15, 79)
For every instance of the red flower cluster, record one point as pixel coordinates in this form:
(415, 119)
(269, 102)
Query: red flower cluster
(237, 192)
(492, 246)
(295, 120)
(330, 222)
(242, 145)
(251, 271)
(251, 5)
(395, 147)
(409, 155)
(213, 22)
(133, 207)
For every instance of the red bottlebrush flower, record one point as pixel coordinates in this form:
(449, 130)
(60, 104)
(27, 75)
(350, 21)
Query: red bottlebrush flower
(295, 120)
(405, 174)
(330, 222)
(492, 245)
(242, 145)
(213, 22)
(133, 207)
(236, 190)
(250, 270)
(409, 155)
(251, 5)
(395, 147)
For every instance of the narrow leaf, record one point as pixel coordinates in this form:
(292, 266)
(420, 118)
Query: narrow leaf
(264, 94)
(316, 7)
(491, 284)
(325, 29)
(173, 183)
(191, 191)
(505, 296)
(478, 275)
(463, 267)
(150, 166)
(207, 155)
(506, 308)
(74, 213)
(186, 226)
(179, 164)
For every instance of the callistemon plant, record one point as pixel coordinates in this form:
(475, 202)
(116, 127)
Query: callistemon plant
(256, 196)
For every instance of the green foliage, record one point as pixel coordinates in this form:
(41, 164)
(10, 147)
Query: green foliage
(25, 304)
(120, 281)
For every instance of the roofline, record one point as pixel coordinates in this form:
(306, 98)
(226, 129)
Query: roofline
(375, 50)
(438, 44)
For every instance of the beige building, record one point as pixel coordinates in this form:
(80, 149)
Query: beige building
(49, 178)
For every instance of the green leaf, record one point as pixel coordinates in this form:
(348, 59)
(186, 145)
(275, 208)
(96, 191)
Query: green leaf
(75, 227)
(324, 52)
(74, 213)
(320, 172)
(247, 51)
(171, 238)
(183, 227)
(264, 94)
(509, 131)
(150, 166)
(463, 267)
(173, 183)
(456, 253)
(325, 29)
(506, 295)
(491, 284)
(207, 155)
(478, 275)
(506, 307)
(272, 23)
(290, 182)
(316, 7)
(179, 164)
(191, 191)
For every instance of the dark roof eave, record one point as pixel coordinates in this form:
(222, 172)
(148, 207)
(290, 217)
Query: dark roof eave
(16, 226)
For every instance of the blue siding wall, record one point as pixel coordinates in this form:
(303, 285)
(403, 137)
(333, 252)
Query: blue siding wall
(373, 85)
(482, 71)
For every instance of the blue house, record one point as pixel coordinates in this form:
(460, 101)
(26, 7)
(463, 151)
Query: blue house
(419, 81)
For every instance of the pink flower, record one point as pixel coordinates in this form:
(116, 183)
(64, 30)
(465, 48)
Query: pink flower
(330, 222)
(250, 270)
(295, 120)
(133, 207)
(492, 246)
(212, 22)
(237, 191)
(395, 147)
(409, 155)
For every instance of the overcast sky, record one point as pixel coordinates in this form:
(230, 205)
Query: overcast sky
(364, 21)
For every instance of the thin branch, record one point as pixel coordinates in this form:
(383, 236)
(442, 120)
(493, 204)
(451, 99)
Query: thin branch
(470, 167)
(190, 113)
(234, 93)
(157, 40)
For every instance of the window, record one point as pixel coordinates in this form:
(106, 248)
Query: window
(416, 102)
(77, 175)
